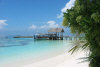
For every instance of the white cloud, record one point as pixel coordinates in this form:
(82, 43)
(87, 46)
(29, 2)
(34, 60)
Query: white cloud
(68, 5)
(44, 26)
(3, 23)
(33, 26)
(50, 24)
(60, 15)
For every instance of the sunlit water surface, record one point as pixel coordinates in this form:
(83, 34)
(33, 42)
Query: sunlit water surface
(13, 49)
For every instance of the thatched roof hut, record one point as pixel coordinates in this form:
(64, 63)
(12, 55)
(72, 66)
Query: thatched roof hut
(58, 30)
(53, 34)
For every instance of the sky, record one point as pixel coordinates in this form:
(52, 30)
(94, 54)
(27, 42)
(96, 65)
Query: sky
(27, 17)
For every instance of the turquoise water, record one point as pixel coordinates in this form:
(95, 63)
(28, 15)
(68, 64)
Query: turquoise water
(20, 49)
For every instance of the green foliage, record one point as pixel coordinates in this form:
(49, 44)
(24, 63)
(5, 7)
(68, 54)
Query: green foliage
(65, 22)
(84, 17)
(96, 17)
(78, 45)
(79, 19)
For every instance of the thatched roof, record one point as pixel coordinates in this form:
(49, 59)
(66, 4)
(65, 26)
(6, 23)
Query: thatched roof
(56, 30)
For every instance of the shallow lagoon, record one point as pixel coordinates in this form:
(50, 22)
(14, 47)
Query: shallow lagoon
(23, 49)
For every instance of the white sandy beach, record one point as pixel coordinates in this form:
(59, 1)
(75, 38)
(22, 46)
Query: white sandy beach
(64, 60)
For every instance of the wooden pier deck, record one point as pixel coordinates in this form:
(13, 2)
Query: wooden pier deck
(53, 34)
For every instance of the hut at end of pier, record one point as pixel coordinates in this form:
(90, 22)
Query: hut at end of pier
(53, 34)
(57, 33)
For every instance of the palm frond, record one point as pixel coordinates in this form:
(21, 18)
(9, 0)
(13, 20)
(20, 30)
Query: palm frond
(78, 45)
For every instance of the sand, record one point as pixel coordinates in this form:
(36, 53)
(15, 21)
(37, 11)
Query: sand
(64, 60)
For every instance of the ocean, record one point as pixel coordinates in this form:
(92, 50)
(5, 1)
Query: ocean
(23, 49)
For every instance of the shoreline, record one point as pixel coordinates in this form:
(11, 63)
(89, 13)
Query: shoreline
(53, 58)
(63, 60)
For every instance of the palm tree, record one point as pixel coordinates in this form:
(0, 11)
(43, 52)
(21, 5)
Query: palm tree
(84, 18)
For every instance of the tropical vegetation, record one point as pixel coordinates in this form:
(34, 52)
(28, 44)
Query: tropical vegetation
(84, 18)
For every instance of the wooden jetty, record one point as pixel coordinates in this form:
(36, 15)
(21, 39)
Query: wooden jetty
(53, 34)
(23, 37)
